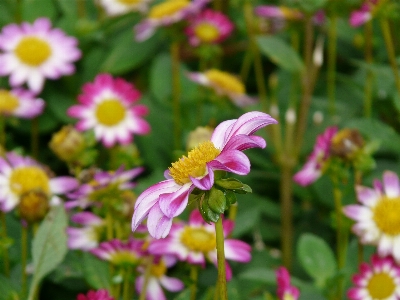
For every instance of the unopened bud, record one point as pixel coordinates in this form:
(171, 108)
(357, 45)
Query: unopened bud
(274, 110)
(67, 143)
(346, 143)
(33, 206)
(318, 55)
(318, 117)
(290, 116)
(198, 136)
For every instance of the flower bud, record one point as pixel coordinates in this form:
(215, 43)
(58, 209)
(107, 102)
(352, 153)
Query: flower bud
(33, 206)
(347, 143)
(67, 143)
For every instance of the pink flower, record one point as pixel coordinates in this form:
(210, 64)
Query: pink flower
(195, 241)
(313, 168)
(285, 290)
(208, 27)
(278, 12)
(381, 280)
(108, 106)
(167, 199)
(20, 103)
(364, 14)
(95, 295)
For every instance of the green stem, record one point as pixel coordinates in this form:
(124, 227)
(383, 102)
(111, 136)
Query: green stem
(24, 256)
(341, 247)
(369, 76)
(332, 53)
(5, 241)
(390, 51)
(194, 272)
(147, 275)
(176, 93)
(126, 289)
(360, 252)
(35, 137)
(219, 231)
(245, 69)
(81, 9)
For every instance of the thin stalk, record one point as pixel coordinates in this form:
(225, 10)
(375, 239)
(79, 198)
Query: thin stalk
(332, 53)
(233, 211)
(6, 259)
(24, 257)
(117, 290)
(286, 187)
(360, 252)
(340, 235)
(368, 33)
(81, 9)
(219, 231)
(35, 137)
(126, 289)
(194, 273)
(147, 275)
(246, 65)
(176, 93)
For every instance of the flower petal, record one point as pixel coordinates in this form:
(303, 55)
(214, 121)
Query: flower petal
(158, 224)
(206, 182)
(173, 204)
(391, 184)
(232, 161)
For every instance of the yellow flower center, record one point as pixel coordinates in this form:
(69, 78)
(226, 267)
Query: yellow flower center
(386, 215)
(198, 239)
(27, 179)
(124, 258)
(381, 286)
(194, 164)
(167, 8)
(110, 112)
(8, 102)
(158, 270)
(33, 50)
(206, 32)
(288, 296)
(129, 2)
(225, 81)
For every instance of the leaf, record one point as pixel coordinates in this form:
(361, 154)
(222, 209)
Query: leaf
(33, 9)
(96, 272)
(316, 257)
(6, 288)
(216, 201)
(280, 53)
(311, 6)
(49, 246)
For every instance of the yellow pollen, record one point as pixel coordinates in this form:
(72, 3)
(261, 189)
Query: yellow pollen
(225, 81)
(381, 286)
(194, 164)
(27, 179)
(33, 50)
(129, 2)
(206, 32)
(198, 239)
(158, 270)
(8, 102)
(167, 8)
(386, 215)
(124, 258)
(110, 112)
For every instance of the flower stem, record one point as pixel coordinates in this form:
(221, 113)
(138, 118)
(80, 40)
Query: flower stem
(6, 259)
(194, 273)
(219, 231)
(176, 93)
(35, 137)
(369, 76)
(332, 53)
(126, 288)
(147, 275)
(24, 255)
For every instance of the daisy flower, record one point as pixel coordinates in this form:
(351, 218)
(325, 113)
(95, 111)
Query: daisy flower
(120, 7)
(166, 13)
(223, 84)
(208, 27)
(20, 103)
(21, 175)
(88, 236)
(314, 166)
(33, 52)
(108, 106)
(378, 218)
(195, 242)
(378, 281)
(95, 295)
(285, 290)
(158, 280)
(167, 199)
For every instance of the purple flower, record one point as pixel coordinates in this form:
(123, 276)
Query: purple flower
(278, 12)
(95, 295)
(364, 14)
(167, 199)
(285, 289)
(20, 103)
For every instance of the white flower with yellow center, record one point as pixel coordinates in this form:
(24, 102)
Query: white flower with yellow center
(108, 106)
(119, 7)
(22, 175)
(20, 103)
(378, 218)
(32, 52)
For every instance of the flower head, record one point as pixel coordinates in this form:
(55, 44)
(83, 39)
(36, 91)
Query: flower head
(364, 14)
(33, 52)
(108, 106)
(23, 178)
(165, 14)
(119, 7)
(285, 290)
(380, 280)
(95, 295)
(378, 220)
(20, 103)
(195, 242)
(208, 27)
(223, 84)
(167, 199)
(278, 12)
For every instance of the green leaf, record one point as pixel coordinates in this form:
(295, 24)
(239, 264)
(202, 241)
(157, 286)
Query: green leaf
(230, 197)
(234, 185)
(311, 6)
(280, 53)
(33, 9)
(216, 201)
(49, 246)
(316, 257)
(96, 272)
(6, 288)
(207, 214)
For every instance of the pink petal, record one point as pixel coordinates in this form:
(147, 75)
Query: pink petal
(63, 184)
(357, 212)
(173, 204)
(367, 196)
(206, 182)
(158, 224)
(391, 184)
(244, 142)
(171, 284)
(237, 250)
(232, 161)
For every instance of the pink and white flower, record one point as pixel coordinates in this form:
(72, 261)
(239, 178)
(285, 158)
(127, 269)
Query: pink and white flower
(167, 199)
(95, 295)
(33, 52)
(88, 236)
(380, 280)
(285, 290)
(158, 280)
(120, 7)
(278, 12)
(314, 166)
(20, 175)
(195, 242)
(166, 14)
(20, 103)
(208, 27)
(364, 14)
(108, 106)
(378, 218)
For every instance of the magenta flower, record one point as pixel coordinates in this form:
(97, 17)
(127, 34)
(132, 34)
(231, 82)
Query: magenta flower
(285, 289)
(364, 14)
(378, 218)
(208, 27)
(195, 242)
(33, 52)
(20, 103)
(167, 199)
(108, 106)
(278, 12)
(95, 295)
(314, 166)
(381, 280)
